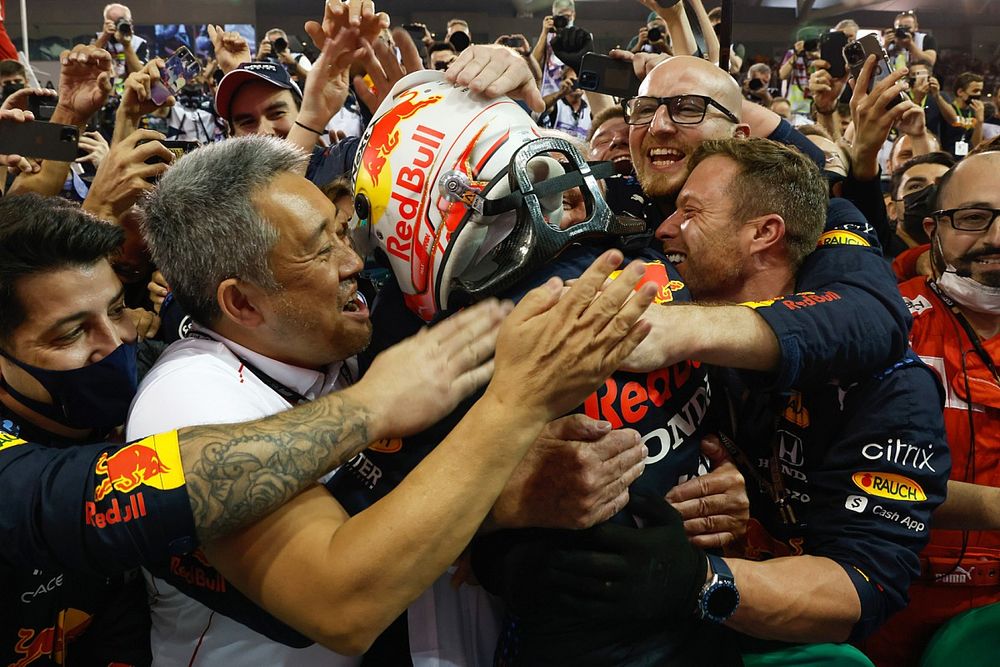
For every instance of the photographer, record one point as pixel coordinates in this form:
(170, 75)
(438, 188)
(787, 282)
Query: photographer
(129, 52)
(459, 35)
(757, 86)
(653, 38)
(274, 48)
(962, 116)
(566, 110)
(560, 43)
(795, 71)
(904, 42)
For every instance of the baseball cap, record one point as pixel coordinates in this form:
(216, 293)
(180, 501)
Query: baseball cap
(273, 73)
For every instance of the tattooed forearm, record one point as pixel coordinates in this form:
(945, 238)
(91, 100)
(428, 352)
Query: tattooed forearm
(239, 473)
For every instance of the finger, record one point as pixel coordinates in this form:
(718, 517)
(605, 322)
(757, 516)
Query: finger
(315, 32)
(610, 301)
(537, 301)
(864, 77)
(587, 429)
(891, 93)
(614, 357)
(717, 481)
(364, 93)
(152, 149)
(710, 540)
(456, 332)
(478, 351)
(157, 289)
(620, 450)
(711, 505)
(469, 70)
(576, 300)
(154, 326)
(474, 379)
(605, 509)
(387, 59)
(133, 139)
(714, 452)
(150, 172)
(407, 50)
(819, 63)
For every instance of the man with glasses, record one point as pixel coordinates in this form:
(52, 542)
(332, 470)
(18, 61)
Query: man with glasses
(684, 101)
(956, 322)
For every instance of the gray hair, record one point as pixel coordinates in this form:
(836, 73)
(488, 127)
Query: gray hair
(113, 5)
(201, 223)
(759, 67)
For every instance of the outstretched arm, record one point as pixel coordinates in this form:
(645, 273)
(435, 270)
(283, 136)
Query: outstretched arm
(343, 580)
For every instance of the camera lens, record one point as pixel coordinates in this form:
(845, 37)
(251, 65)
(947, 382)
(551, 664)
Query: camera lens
(654, 34)
(362, 206)
(279, 45)
(560, 22)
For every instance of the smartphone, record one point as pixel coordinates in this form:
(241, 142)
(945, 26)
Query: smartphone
(831, 49)
(176, 72)
(607, 75)
(42, 107)
(178, 148)
(857, 52)
(39, 139)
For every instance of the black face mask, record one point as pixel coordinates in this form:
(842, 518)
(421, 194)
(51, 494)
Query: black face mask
(10, 88)
(917, 206)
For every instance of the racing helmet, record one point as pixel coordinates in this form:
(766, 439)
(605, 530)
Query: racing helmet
(463, 197)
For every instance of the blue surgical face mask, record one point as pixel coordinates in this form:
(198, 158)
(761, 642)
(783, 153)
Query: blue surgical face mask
(96, 396)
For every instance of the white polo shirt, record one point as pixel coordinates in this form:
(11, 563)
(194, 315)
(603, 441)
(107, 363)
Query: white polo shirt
(198, 381)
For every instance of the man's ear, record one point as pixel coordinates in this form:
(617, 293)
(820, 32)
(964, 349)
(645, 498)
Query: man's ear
(742, 131)
(930, 226)
(768, 232)
(237, 300)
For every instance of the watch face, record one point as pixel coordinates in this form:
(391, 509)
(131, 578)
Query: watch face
(722, 601)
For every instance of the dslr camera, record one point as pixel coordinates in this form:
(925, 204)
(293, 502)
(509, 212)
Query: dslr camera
(279, 45)
(559, 22)
(902, 32)
(654, 34)
(124, 26)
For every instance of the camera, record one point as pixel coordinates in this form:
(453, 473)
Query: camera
(654, 34)
(279, 45)
(124, 26)
(560, 22)
(755, 84)
(810, 45)
(902, 32)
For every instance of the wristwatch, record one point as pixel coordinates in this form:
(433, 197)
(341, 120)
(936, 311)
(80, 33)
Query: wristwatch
(719, 598)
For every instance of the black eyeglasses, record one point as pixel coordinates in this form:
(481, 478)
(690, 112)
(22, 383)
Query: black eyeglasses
(969, 219)
(683, 109)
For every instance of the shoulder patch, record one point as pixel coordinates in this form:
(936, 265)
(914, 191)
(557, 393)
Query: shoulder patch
(8, 440)
(841, 237)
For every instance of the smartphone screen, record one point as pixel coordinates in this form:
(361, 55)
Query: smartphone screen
(175, 74)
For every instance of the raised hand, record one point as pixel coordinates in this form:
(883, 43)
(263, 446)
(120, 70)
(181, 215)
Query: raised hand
(84, 83)
(231, 48)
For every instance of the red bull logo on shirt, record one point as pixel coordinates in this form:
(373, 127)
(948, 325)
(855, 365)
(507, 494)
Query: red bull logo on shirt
(154, 461)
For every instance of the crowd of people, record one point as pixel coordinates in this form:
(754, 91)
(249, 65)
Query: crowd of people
(397, 350)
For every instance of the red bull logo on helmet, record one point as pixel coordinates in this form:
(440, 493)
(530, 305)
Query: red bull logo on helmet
(382, 138)
(154, 461)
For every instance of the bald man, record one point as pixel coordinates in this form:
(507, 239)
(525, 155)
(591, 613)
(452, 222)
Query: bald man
(684, 101)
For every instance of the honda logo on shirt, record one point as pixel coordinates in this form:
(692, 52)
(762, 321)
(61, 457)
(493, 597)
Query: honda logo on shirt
(789, 448)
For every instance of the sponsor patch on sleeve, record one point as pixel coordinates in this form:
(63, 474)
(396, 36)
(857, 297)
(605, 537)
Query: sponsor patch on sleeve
(8, 440)
(841, 237)
(889, 485)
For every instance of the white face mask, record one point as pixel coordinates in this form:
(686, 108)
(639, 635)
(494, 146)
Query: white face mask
(965, 291)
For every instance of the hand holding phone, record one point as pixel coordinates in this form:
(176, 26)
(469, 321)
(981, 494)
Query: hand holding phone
(38, 139)
(857, 53)
(610, 76)
(179, 69)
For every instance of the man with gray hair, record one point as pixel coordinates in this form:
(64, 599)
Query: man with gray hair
(272, 287)
(129, 52)
(757, 86)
